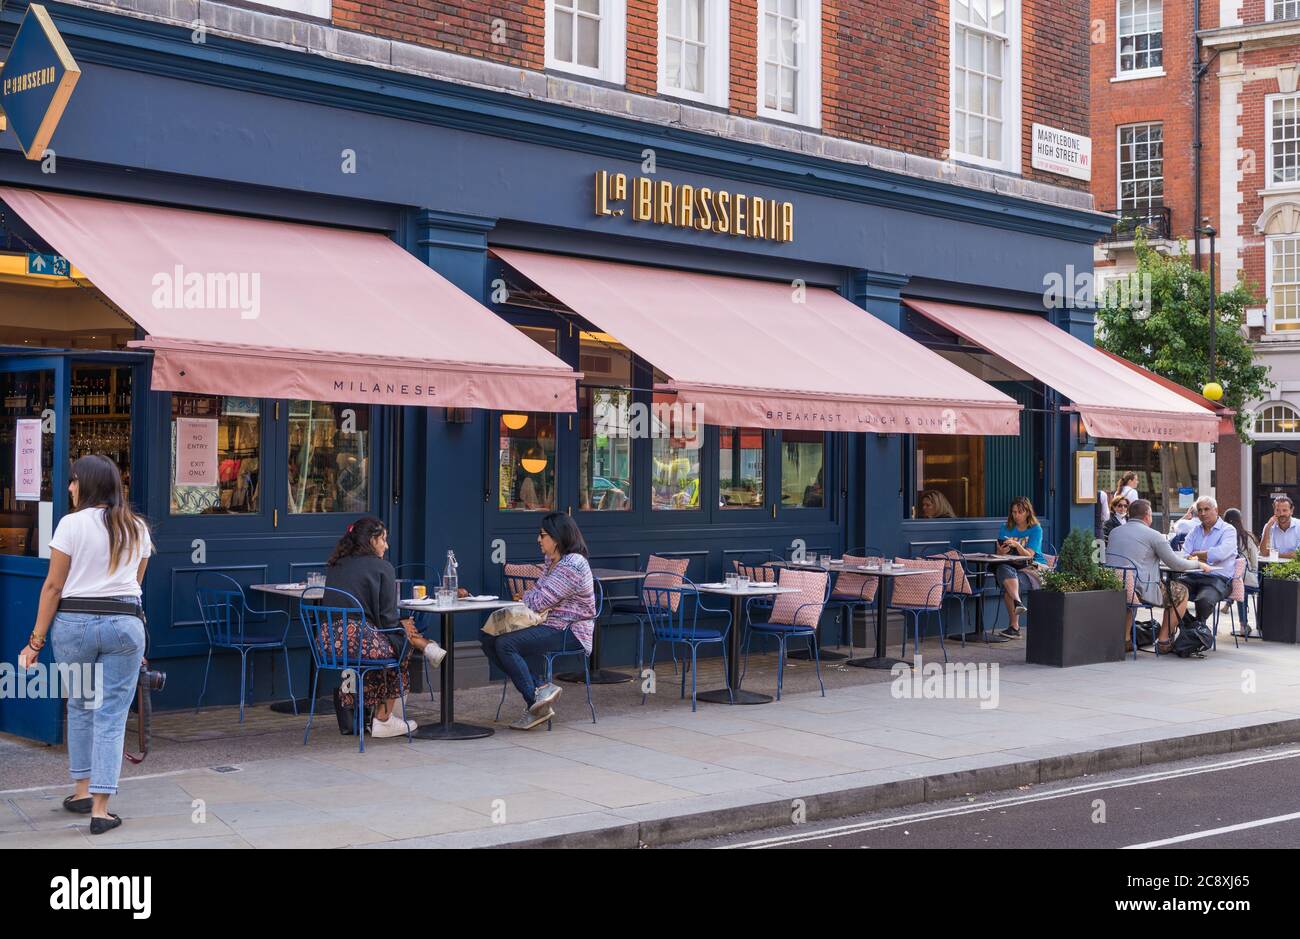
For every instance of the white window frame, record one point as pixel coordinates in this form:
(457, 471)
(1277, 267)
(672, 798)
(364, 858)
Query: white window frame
(717, 55)
(1270, 248)
(1271, 102)
(1151, 72)
(1011, 99)
(1270, 11)
(613, 44)
(1289, 410)
(320, 9)
(1119, 164)
(808, 100)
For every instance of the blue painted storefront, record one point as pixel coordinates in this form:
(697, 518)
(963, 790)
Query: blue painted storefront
(449, 171)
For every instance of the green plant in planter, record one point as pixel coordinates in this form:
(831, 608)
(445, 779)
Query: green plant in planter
(1077, 568)
(1288, 570)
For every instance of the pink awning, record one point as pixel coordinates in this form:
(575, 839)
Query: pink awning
(1112, 400)
(754, 353)
(256, 308)
(1227, 427)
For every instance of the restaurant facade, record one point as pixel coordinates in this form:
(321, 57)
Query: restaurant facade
(353, 289)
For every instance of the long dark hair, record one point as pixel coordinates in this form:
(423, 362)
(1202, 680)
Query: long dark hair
(1244, 537)
(1030, 518)
(567, 535)
(356, 540)
(99, 486)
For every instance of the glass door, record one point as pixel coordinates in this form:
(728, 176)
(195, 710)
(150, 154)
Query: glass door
(28, 459)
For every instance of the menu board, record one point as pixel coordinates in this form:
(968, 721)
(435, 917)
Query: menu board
(27, 460)
(196, 451)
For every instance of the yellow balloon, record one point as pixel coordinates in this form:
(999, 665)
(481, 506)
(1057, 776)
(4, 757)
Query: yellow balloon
(1212, 390)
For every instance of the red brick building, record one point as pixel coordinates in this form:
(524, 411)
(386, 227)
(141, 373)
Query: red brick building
(1247, 186)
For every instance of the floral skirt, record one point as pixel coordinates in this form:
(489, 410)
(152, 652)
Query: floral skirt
(381, 684)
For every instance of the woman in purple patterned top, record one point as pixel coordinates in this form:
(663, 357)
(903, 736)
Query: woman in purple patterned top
(566, 592)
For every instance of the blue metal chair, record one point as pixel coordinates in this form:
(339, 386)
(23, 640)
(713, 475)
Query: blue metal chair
(571, 646)
(225, 612)
(325, 615)
(958, 585)
(852, 591)
(673, 616)
(1133, 585)
(918, 596)
(788, 621)
(1238, 595)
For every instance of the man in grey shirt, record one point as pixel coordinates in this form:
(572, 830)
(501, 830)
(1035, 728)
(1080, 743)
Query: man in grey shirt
(1145, 548)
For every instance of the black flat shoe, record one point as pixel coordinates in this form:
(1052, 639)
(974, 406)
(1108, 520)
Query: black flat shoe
(79, 806)
(100, 825)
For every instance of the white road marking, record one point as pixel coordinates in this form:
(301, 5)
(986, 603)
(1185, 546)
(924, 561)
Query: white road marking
(1258, 823)
(841, 831)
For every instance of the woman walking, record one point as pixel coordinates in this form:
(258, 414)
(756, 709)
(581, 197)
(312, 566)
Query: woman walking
(91, 605)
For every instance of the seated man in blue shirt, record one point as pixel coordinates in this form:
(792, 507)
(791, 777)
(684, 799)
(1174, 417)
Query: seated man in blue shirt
(1281, 533)
(1214, 542)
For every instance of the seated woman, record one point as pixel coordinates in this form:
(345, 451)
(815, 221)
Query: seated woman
(566, 593)
(1118, 516)
(358, 566)
(1021, 536)
(934, 504)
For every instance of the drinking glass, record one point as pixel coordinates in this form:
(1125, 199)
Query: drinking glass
(731, 579)
(419, 591)
(446, 597)
(824, 562)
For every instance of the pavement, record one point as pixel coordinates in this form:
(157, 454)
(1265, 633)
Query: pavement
(659, 774)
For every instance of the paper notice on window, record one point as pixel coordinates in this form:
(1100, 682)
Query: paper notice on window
(1185, 494)
(27, 460)
(196, 451)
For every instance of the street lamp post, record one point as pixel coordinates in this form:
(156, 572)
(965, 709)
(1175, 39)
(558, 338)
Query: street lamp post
(1210, 233)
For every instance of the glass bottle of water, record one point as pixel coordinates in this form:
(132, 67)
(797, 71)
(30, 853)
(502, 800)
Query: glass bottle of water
(450, 580)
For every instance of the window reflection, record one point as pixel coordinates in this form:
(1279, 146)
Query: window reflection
(225, 479)
(740, 467)
(803, 457)
(605, 414)
(329, 457)
(675, 454)
(526, 445)
(950, 477)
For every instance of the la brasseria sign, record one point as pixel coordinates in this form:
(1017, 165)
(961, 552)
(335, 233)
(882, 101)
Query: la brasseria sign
(36, 81)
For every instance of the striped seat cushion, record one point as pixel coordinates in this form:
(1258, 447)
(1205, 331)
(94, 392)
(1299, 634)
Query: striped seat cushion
(851, 586)
(663, 574)
(521, 577)
(1239, 582)
(960, 579)
(917, 591)
(803, 608)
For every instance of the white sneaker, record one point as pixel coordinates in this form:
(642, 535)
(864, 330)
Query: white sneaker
(546, 696)
(393, 727)
(434, 653)
(530, 720)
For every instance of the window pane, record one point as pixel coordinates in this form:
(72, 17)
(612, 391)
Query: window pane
(803, 455)
(235, 424)
(527, 462)
(24, 395)
(588, 42)
(605, 457)
(693, 79)
(950, 476)
(740, 467)
(589, 6)
(789, 89)
(100, 415)
(693, 27)
(770, 90)
(329, 457)
(563, 36)
(673, 64)
(675, 455)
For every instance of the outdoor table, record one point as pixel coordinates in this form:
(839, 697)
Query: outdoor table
(737, 594)
(447, 728)
(986, 561)
(1273, 559)
(292, 592)
(600, 676)
(880, 660)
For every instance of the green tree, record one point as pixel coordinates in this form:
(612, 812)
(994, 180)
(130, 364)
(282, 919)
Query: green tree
(1166, 329)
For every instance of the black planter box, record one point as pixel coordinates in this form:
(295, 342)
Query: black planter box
(1279, 609)
(1067, 629)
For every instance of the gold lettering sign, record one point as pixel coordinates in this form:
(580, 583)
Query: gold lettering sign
(682, 205)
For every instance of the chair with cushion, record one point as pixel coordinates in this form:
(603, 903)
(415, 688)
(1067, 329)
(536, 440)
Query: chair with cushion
(230, 623)
(673, 615)
(958, 585)
(1133, 582)
(852, 591)
(661, 573)
(793, 616)
(325, 617)
(918, 595)
(1237, 595)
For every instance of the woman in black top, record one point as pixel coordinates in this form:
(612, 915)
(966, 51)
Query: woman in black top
(358, 567)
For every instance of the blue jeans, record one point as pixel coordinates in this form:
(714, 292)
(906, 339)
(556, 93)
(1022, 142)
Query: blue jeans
(509, 653)
(112, 647)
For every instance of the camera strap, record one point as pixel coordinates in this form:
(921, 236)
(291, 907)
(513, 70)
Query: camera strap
(103, 606)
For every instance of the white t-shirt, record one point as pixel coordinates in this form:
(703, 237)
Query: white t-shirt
(83, 536)
(1129, 493)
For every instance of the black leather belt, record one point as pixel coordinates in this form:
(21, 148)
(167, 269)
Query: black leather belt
(104, 606)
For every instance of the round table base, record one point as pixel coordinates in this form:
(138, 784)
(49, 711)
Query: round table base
(600, 676)
(304, 705)
(453, 731)
(881, 662)
(722, 696)
(826, 655)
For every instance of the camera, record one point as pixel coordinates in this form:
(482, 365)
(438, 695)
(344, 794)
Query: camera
(152, 679)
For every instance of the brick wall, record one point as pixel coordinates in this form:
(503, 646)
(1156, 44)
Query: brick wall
(1054, 68)
(643, 46)
(509, 31)
(743, 97)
